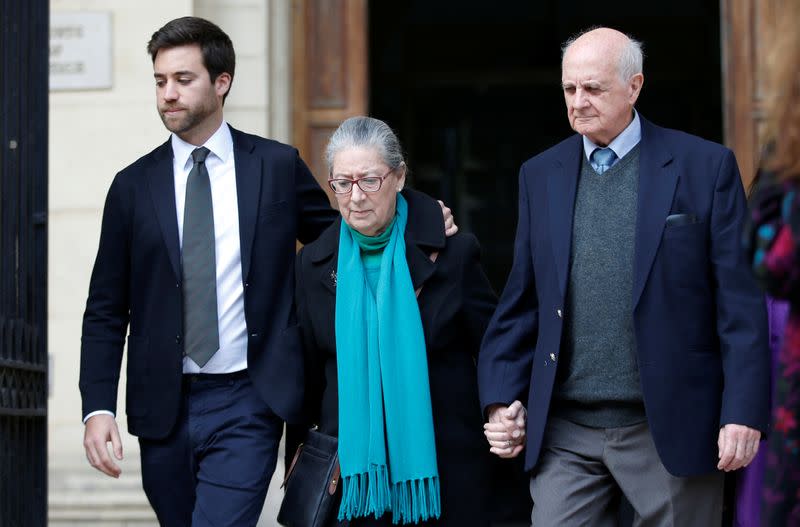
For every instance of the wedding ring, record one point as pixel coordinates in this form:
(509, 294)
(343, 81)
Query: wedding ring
(508, 443)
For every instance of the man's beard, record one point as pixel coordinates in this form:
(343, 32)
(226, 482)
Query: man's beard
(189, 119)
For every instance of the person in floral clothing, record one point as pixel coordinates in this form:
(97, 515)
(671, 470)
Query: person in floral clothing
(773, 243)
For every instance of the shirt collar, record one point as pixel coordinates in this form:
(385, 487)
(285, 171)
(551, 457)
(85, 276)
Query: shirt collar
(220, 144)
(623, 143)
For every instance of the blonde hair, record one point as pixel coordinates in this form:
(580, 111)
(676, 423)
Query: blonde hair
(780, 137)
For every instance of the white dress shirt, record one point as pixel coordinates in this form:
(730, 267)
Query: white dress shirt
(232, 353)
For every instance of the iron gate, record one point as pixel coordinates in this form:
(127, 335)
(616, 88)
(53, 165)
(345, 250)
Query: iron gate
(23, 262)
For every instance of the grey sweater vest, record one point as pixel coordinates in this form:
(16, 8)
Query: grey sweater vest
(597, 383)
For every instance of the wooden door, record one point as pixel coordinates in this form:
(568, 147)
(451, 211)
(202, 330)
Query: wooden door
(745, 26)
(330, 73)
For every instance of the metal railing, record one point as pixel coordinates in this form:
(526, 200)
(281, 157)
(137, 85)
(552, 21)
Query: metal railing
(23, 262)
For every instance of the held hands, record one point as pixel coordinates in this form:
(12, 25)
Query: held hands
(505, 430)
(100, 429)
(738, 445)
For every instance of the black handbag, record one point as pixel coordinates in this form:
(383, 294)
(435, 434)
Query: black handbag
(311, 483)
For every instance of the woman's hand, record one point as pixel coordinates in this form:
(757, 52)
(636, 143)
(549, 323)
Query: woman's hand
(505, 430)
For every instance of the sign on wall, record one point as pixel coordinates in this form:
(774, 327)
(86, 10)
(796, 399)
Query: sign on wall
(80, 50)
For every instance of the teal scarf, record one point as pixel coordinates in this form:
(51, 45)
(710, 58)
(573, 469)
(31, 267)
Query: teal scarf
(386, 443)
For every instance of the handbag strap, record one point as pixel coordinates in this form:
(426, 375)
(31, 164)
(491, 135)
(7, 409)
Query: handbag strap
(334, 477)
(291, 467)
(337, 471)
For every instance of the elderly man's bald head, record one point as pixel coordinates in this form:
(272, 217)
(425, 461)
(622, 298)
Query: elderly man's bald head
(611, 43)
(601, 75)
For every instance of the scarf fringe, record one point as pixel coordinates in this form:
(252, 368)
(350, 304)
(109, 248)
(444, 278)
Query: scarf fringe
(416, 500)
(365, 493)
(369, 493)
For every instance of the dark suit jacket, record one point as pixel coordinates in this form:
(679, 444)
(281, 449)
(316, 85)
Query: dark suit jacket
(699, 318)
(137, 280)
(455, 304)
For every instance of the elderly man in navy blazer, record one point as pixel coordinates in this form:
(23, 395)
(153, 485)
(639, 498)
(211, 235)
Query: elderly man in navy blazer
(630, 325)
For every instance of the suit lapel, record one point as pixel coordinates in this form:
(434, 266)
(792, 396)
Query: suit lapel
(657, 182)
(248, 189)
(161, 181)
(324, 256)
(329, 271)
(425, 228)
(562, 185)
(420, 266)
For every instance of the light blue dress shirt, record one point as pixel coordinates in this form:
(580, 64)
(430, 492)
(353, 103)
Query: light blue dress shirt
(621, 145)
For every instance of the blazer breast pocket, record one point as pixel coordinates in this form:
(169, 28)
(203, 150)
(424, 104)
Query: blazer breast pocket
(684, 251)
(679, 220)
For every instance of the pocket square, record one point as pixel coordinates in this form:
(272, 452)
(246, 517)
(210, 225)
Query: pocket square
(676, 220)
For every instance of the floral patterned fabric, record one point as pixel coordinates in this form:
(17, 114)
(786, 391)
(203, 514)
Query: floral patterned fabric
(750, 479)
(772, 239)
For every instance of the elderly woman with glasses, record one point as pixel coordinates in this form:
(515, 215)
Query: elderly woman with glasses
(392, 313)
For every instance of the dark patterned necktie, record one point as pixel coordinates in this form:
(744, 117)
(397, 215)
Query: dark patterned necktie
(199, 265)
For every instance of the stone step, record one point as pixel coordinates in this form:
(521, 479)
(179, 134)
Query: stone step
(83, 522)
(100, 498)
(100, 518)
(81, 496)
(117, 515)
(82, 481)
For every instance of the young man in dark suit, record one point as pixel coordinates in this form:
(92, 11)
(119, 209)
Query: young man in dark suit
(631, 325)
(196, 254)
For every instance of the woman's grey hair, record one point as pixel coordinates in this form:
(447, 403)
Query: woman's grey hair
(365, 132)
(631, 58)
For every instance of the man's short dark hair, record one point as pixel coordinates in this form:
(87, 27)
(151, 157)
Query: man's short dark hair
(215, 44)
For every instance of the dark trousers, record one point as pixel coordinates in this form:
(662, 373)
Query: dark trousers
(214, 468)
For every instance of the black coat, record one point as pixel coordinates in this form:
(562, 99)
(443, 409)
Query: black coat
(455, 303)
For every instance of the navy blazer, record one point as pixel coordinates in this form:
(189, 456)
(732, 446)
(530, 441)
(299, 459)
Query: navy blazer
(699, 319)
(137, 280)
